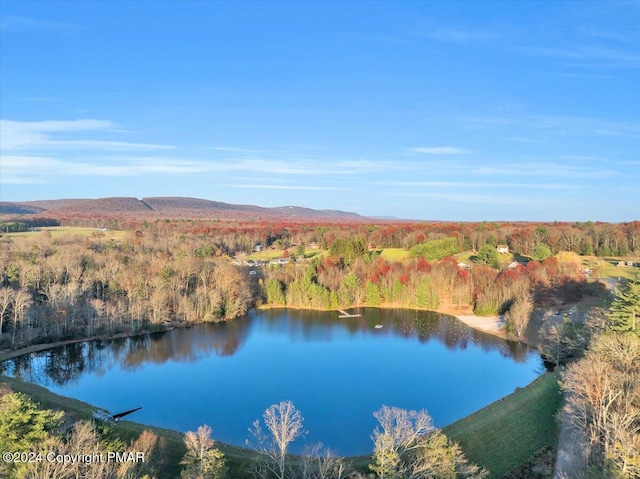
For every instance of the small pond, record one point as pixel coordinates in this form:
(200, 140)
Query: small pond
(336, 371)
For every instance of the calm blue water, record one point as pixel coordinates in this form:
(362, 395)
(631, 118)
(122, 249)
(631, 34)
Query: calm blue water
(336, 371)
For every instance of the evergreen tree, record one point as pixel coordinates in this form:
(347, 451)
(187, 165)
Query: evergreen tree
(488, 255)
(625, 309)
(275, 291)
(372, 294)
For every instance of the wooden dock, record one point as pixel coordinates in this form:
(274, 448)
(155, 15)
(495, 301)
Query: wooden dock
(344, 314)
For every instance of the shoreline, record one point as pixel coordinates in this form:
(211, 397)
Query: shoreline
(493, 325)
(34, 348)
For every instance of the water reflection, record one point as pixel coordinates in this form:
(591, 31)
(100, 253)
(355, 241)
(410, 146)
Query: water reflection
(65, 364)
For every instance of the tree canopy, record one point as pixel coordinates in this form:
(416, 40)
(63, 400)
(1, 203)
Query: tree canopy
(624, 312)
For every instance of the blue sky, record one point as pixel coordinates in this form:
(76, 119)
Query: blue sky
(464, 110)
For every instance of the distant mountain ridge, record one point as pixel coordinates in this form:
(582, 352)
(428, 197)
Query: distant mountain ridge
(168, 207)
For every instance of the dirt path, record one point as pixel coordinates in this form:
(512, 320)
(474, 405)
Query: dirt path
(570, 460)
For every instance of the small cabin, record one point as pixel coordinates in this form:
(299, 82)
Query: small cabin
(502, 248)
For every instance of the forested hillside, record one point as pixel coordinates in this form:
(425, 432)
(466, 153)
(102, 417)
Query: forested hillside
(164, 272)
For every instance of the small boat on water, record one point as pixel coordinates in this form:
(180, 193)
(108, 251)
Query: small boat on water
(379, 326)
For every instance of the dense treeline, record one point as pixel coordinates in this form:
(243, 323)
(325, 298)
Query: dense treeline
(164, 272)
(173, 270)
(61, 288)
(584, 238)
(369, 280)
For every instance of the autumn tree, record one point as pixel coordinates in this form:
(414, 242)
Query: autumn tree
(6, 298)
(408, 446)
(202, 460)
(603, 401)
(397, 434)
(560, 340)
(519, 314)
(21, 301)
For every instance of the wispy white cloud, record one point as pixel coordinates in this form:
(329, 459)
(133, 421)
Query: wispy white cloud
(608, 35)
(50, 135)
(584, 75)
(470, 198)
(16, 22)
(233, 149)
(283, 187)
(529, 170)
(596, 55)
(552, 125)
(439, 150)
(457, 35)
(582, 158)
(50, 168)
(520, 139)
(469, 185)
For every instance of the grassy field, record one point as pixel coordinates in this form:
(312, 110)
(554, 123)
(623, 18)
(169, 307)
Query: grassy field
(607, 269)
(506, 433)
(269, 254)
(393, 254)
(61, 231)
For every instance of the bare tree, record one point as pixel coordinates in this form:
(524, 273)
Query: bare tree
(408, 446)
(320, 463)
(604, 401)
(399, 434)
(46, 469)
(146, 444)
(202, 460)
(284, 423)
(21, 300)
(6, 298)
(519, 313)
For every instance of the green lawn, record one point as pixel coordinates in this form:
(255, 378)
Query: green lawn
(269, 254)
(393, 254)
(506, 433)
(606, 269)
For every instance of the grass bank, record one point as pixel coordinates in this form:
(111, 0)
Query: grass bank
(238, 459)
(506, 433)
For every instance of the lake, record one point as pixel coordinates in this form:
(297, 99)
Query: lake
(336, 371)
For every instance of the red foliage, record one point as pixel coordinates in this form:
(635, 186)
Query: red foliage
(382, 267)
(404, 279)
(423, 265)
(449, 261)
(463, 275)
